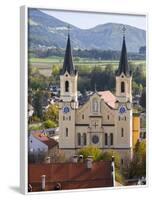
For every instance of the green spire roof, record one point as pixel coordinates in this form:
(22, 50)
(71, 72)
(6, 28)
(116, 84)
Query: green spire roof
(68, 63)
(123, 63)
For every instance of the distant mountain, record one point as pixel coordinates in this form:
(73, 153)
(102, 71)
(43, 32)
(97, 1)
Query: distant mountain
(46, 30)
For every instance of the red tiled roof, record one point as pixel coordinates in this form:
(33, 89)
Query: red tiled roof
(45, 139)
(108, 97)
(71, 175)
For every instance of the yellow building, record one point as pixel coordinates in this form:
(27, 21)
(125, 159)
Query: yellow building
(135, 128)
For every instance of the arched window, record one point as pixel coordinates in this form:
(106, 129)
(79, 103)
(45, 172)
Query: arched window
(122, 87)
(66, 86)
(66, 132)
(84, 139)
(122, 132)
(95, 105)
(106, 139)
(111, 138)
(79, 139)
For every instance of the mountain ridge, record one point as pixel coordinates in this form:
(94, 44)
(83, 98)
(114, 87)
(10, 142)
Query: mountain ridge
(46, 30)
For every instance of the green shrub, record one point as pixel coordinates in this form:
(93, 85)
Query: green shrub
(108, 156)
(49, 124)
(35, 128)
(91, 151)
(35, 118)
(119, 177)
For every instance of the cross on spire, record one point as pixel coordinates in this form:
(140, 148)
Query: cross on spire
(124, 30)
(68, 29)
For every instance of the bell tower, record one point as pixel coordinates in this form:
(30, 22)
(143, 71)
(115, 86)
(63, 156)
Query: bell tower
(123, 112)
(68, 76)
(68, 102)
(123, 76)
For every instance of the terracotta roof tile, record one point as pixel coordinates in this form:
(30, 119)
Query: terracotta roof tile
(45, 139)
(71, 175)
(108, 97)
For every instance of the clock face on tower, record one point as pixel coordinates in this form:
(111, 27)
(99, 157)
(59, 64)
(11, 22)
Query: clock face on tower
(122, 109)
(66, 109)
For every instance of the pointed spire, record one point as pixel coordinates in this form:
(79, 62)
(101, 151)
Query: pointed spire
(68, 63)
(123, 63)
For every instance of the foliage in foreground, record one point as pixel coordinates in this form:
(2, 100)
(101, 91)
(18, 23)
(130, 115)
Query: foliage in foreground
(91, 151)
(137, 167)
(107, 155)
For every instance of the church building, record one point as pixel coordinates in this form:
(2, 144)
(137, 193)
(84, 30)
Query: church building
(105, 120)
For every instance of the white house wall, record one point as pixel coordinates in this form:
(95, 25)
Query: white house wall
(36, 145)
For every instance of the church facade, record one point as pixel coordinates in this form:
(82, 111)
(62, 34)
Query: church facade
(105, 120)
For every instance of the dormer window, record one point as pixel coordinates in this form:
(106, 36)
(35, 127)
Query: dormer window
(66, 86)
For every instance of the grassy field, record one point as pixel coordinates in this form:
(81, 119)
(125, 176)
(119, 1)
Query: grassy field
(59, 60)
(45, 64)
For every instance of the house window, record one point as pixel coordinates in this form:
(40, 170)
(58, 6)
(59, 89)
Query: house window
(122, 87)
(66, 132)
(79, 139)
(106, 139)
(66, 86)
(95, 105)
(84, 139)
(122, 132)
(111, 139)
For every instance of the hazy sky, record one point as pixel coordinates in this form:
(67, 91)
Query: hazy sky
(87, 20)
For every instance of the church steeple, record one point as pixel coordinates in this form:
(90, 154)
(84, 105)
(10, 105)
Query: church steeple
(123, 76)
(68, 77)
(123, 64)
(68, 63)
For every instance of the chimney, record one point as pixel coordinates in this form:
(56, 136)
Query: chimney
(48, 160)
(43, 182)
(113, 170)
(89, 162)
(75, 159)
(81, 158)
